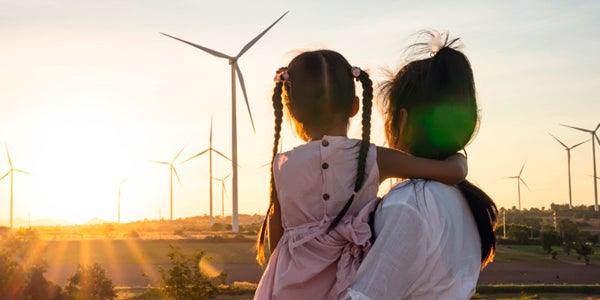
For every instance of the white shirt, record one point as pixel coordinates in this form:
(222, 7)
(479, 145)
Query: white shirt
(427, 246)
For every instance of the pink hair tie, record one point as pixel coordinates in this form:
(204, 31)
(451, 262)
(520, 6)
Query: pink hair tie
(356, 72)
(281, 75)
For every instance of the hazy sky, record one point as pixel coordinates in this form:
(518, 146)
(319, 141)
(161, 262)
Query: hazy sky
(90, 92)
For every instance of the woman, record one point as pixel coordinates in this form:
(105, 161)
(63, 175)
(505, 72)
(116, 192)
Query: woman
(432, 239)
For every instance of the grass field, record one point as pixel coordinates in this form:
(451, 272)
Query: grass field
(133, 265)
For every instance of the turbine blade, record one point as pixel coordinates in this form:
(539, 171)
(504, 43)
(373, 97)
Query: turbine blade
(211, 130)
(198, 154)
(558, 141)
(21, 171)
(241, 79)
(176, 175)
(8, 155)
(178, 153)
(579, 144)
(511, 177)
(223, 155)
(159, 162)
(254, 40)
(598, 126)
(597, 138)
(3, 176)
(523, 181)
(577, 128)
(211, 51)
(523, 167)
(224, 178)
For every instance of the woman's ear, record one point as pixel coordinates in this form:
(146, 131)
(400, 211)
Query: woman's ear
(355, 107)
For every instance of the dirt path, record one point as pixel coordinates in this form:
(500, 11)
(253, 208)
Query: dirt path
(557, 272)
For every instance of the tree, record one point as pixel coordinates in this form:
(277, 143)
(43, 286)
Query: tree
(39, 288)
(185, 280)
(569, 233)
(550, 238)
(90, 283)
(584, 250)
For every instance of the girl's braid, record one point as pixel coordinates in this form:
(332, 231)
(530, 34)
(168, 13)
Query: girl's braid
(367, 86)
(278, 108)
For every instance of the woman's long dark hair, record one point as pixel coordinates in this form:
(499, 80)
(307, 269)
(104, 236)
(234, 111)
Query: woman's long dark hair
(438, 94)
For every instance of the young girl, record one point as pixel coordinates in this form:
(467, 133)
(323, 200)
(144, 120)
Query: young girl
(323, 191)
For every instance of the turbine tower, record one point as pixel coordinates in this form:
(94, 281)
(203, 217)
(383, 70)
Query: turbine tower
(233, 61)
(172, 170)
(210, 151)
(222, 180)
(519, 180)
(593, 133)
(568, 165)
(10, 172)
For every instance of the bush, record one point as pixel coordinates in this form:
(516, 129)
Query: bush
(90, 283)
(550, 238)
(221, 227)
(185, 280)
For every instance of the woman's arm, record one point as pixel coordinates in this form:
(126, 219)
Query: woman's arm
(394, 163)
(274, 224)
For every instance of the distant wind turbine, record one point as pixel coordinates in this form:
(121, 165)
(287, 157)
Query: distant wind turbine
(233, 61)
(10, 172)
(519, 180)
(223, 191)
(210, 151)
(119, 202)
(568, 165)
(172, 170)
(593, 133)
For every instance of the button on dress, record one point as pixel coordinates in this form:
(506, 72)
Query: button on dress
(313, 183)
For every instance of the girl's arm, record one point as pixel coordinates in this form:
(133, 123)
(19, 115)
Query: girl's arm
(274, 225)
(394, 163)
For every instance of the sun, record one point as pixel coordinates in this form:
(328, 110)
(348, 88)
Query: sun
(83, 153)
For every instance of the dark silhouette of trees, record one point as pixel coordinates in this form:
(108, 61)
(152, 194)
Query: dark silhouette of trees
(90, 283)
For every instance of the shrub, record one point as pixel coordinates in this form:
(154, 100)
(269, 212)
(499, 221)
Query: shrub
(185, 280)
(90, 283)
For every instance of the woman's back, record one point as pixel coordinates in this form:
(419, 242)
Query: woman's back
(429, 247)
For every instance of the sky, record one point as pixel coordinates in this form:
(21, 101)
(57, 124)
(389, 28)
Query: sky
(91, 93)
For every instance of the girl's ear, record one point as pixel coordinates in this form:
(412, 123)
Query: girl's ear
(355, 107)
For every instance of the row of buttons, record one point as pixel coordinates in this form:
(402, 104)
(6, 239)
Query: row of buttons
(325, 166)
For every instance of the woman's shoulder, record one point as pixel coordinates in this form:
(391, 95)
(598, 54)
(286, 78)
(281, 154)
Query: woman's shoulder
(419, 192)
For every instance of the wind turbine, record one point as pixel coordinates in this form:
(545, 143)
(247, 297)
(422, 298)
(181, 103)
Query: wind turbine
(172, 170)
(119, 202)
(223, 190)
(233, 61)
(210, 151)
(568, 165)
(519, 180)
(10, 172)
(593, 133)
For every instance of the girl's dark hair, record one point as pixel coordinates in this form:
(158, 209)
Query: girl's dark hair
(318, 91)
(438, 94)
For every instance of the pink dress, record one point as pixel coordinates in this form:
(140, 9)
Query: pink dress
(313, 183)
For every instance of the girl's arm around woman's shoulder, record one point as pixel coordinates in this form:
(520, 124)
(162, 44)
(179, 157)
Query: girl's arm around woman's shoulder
(394, 163)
